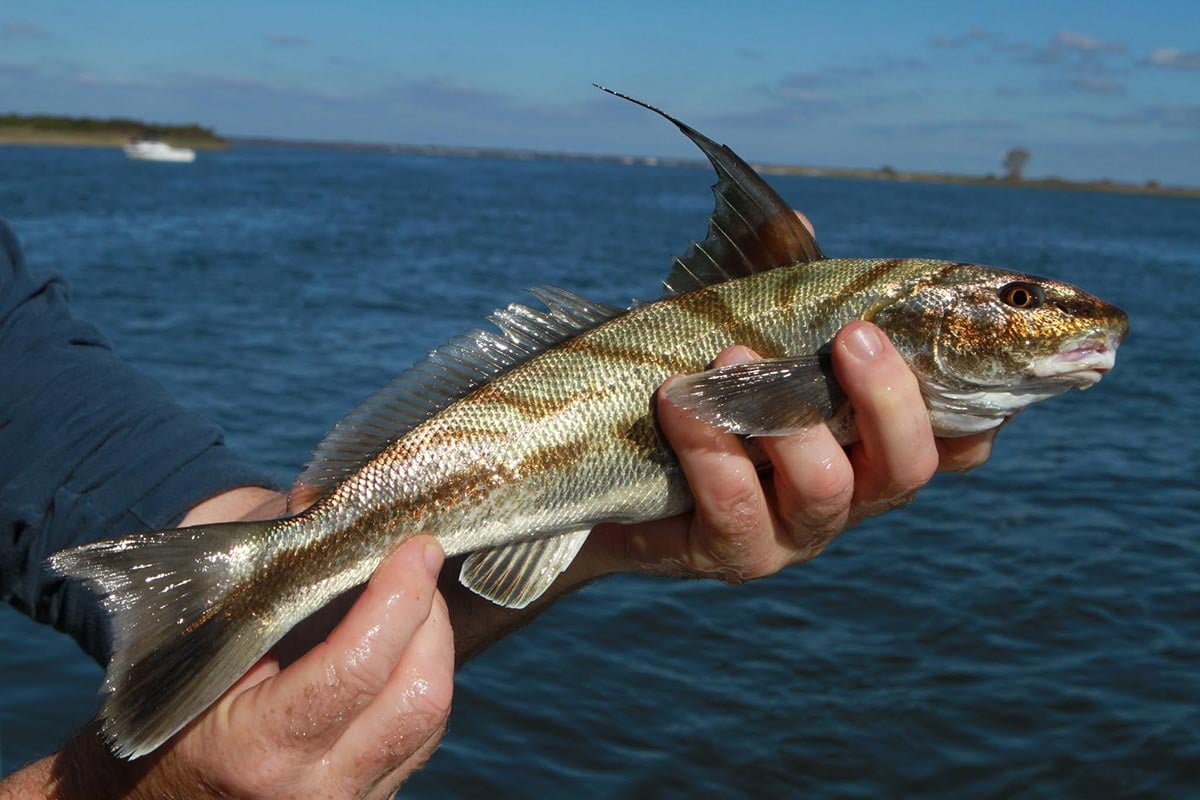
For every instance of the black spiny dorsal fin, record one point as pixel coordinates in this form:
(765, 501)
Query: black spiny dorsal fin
(751, 228)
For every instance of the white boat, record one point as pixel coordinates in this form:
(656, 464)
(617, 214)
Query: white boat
(151, 150)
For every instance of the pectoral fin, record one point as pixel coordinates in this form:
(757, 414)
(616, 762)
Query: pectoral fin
(517, 574)
(772, 397)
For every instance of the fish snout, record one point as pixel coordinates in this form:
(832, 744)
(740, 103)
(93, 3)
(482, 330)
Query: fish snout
(1120, 326)
(1085, 360)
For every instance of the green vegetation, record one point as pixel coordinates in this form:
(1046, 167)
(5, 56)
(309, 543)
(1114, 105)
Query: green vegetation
(46, 129)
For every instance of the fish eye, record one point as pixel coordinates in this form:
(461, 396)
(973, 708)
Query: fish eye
(1022, 295)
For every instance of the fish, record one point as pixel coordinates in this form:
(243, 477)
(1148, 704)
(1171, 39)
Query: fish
(510, 443)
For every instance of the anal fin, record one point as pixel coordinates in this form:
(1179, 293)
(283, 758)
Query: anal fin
(515, 575)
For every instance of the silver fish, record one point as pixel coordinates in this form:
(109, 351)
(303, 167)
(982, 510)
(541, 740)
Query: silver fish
(511, 444)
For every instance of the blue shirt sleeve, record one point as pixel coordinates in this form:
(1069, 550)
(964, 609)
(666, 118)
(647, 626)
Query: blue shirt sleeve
(89, 448)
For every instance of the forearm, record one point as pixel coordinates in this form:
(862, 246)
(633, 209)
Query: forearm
(85, 770)
(92, 448)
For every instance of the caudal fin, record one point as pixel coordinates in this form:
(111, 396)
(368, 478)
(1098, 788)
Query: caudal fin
(176, 602)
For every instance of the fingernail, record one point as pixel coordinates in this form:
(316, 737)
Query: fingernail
(433, 557)
(742, 355)
(864, 342)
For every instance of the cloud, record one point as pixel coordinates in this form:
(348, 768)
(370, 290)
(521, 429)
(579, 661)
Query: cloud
(970, 37)
(799, 86)
(17, 29)
(1165, 116)
(444, 95)
(1187, 117)
(796, 98)
(1080, 51)
(843, 74)
(287, 40)
(749, 54)
(1057, 85)
(1127, 118)
(1096, 86)
(789, 114)
(1082, 43)
(18, 73)
(957, 127)
(1174, 58)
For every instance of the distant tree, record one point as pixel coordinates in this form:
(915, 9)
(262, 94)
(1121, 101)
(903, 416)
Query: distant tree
(1014, 163)
(120, 126)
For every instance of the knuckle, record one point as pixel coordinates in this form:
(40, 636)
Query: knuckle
(819, 505)
(810, 535)
(822, 511)
(746, 566)
(810, 530)
(965, 454)
(420, 721)
(268, 774)
(959, 463)
(433, 706)
(828, 488)
(362, 675)
(738, 513)
(912, 474)
(425, 705)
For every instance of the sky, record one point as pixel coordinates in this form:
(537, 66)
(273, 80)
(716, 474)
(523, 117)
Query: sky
(1091, 89)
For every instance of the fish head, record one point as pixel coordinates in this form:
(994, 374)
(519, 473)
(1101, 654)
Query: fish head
(986, 343)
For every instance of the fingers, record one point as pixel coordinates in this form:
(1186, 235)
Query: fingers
(814, 487)
(897, 454)
(740, 530)
(807, 223)
(325, 690)
(818, 489)
(400, 728)
(724, 482)
(965, 453)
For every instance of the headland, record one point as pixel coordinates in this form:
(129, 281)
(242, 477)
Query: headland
(84, 132)
(40, 129)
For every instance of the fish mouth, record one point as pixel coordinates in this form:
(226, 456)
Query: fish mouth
(1081, 363)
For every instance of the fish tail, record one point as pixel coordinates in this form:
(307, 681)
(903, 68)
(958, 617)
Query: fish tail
(177, 602)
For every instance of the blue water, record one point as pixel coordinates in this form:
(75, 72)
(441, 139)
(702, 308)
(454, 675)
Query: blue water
(1031, 629)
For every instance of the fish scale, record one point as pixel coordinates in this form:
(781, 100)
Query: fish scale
(561, 398)
(510, 444)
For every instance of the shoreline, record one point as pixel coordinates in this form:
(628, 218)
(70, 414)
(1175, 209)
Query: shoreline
(30, 137)
(33, 137)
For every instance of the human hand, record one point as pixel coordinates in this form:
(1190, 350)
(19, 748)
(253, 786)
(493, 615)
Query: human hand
(351, 718)
(745, 526)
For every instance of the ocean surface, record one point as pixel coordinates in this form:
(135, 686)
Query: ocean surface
(1031, 629)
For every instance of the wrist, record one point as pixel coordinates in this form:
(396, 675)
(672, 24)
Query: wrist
(85, 769)
(610, 550)
(603, 554)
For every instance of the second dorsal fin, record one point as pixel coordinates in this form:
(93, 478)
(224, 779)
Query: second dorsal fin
(750, 230)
